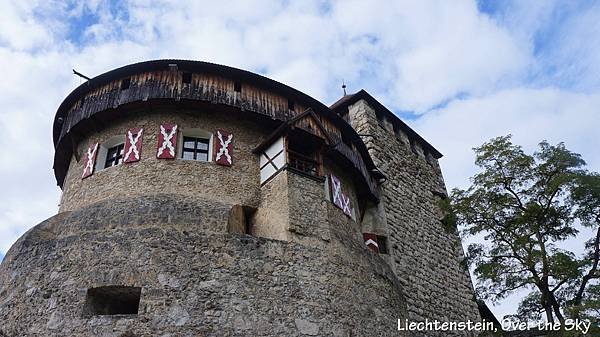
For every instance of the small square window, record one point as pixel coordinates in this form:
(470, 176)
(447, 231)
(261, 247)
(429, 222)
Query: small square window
(195, 148)
(186, 78)
(114, 156)
(125, 83)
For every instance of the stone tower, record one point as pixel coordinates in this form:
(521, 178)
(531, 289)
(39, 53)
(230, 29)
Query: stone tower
(203, 200)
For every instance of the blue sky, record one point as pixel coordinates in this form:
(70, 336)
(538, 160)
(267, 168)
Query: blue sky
(460, 72)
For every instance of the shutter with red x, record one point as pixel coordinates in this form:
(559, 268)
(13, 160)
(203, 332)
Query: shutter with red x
(133, 145)
(371, 241)
(89, 161)
(223, 148)
(167, 141)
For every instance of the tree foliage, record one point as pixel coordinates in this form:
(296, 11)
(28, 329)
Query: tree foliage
(525, 207)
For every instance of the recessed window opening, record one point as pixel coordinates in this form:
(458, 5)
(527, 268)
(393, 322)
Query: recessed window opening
(382, 243)
(113, 300)
(291, 105)
(125, 83)
(195, 148)
(413, 146)
(186, 78)
(196, 145)
(240, 220)
(237, 87)
(110, 153)
(303, 155)
(114, 156)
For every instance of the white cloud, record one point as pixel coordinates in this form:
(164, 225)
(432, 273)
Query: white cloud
(19, 29)
(531, 115)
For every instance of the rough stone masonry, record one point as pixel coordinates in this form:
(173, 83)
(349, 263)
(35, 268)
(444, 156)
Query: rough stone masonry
(189, 245)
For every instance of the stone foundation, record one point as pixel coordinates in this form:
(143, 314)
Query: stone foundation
(195, 279)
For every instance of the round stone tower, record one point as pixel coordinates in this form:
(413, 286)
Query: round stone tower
(203, 200)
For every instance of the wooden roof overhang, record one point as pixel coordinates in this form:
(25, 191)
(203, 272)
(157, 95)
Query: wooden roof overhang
(308, 128)
(100, 98)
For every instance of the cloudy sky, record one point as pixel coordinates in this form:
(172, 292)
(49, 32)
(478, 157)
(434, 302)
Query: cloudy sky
(459, 72)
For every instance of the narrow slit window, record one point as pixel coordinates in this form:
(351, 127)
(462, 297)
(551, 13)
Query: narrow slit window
(186, 78)
(195, 148)
(237, 87)
(125, 83)
(413, 146)
(382, 243)
(113, 300)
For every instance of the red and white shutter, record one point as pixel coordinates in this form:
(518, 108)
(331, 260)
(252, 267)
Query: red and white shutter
(223, 148)
(346, 205)
(336, 191)
(133, 145)
(371, 241)
(167, 141)
(89, 161)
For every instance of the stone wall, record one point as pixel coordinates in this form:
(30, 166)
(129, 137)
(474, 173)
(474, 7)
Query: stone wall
(426, 257)
(238, 184)
(271, 219)
(293, 207)
(308, 211)
(195, 281)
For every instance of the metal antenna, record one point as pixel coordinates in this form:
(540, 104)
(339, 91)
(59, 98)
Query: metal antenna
(344, 87)
(80, 75)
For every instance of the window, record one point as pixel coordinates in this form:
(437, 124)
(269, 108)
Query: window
(304, 164)
(114, 156)
(110, 153)
(186, 78)
(113, 300)
(304, 155)
(195, 148)
(382, 243)
(240, 219)
(125, 83)
(291, 105)
(413, 146)
(237, 87)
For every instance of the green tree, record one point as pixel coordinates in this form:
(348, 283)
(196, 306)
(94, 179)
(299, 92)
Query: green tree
(523, 207)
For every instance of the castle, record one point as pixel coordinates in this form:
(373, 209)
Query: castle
(203, 200)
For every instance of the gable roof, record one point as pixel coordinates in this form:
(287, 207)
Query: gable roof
(308, 113)
(342, 104)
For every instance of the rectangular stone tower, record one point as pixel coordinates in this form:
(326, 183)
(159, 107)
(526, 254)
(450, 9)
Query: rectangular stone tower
(425, 254)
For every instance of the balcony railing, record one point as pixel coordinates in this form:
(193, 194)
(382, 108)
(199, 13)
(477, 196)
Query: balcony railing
(304, 164)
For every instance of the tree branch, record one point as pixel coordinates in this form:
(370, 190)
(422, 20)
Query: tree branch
(591, 273)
